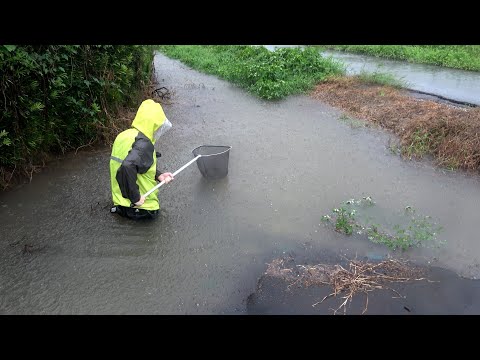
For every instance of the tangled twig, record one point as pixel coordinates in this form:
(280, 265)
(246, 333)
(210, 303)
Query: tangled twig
(360, 277)
(89, 144)
(162, 92)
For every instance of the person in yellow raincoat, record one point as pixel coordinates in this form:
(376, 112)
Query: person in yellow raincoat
(133, 164)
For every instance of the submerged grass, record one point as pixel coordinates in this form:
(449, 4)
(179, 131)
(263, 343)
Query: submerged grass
(269, 75)
(412, 230)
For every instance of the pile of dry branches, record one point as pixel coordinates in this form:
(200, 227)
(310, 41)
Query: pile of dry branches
(358, 277)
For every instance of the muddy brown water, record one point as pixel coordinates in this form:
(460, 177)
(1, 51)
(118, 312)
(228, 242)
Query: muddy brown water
(291, 162)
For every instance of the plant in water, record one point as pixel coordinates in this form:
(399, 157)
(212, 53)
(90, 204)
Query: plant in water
(419, 146)
(353, 123)
(394, 147)
(344, 217)
(381, 78)
(420, 231)
(345, 220)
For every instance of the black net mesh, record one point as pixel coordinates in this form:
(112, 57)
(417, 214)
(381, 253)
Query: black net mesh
(213, 164)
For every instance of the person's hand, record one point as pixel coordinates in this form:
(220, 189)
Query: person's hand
(141, 201)
(167, 176)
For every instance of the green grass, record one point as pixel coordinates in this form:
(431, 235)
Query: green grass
(353, 123)
(381, 78)
(466, 57)
(419, 146)
(415, 230)
(269, 75)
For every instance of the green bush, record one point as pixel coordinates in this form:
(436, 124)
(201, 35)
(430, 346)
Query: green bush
(269, 75)
(54, 97)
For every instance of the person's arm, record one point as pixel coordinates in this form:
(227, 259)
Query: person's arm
(161, 175)
(138, 161)
(127, 180)
(157, 171)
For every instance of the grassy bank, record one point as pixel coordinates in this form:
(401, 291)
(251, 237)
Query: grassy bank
(466, 57)
(451, 135)
(269, 75)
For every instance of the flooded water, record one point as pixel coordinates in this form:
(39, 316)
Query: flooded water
(454, 84)
(291, 162)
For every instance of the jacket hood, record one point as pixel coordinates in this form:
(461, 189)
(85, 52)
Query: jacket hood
(149, 118)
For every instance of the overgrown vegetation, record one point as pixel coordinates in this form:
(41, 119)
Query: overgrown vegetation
(269, 75)
(56, 98)
(451, 135)
(466, 57)
(412, 231)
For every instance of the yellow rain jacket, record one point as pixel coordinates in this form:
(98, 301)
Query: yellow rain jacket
(133, 161)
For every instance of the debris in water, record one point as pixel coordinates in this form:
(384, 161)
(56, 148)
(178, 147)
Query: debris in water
(358, 277)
